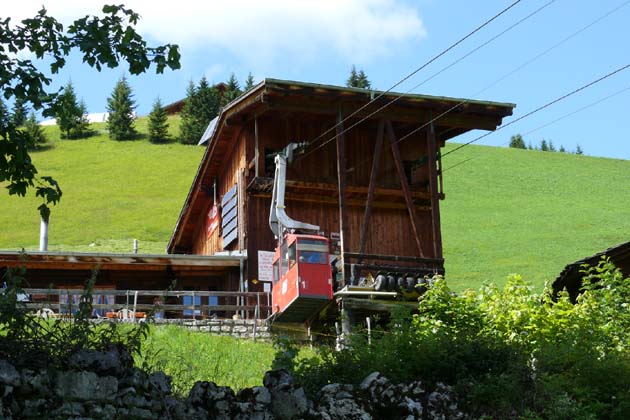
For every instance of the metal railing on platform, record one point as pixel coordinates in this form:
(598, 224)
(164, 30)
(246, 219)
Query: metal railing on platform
(128, 304)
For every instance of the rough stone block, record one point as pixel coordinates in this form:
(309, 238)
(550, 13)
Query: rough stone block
(8, 374)
(85, 386)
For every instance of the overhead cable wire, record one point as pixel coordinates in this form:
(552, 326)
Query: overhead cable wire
(540, 108)
(512, 72)
(401, 95)
(518, 68)
(583, 108)
(414, 72)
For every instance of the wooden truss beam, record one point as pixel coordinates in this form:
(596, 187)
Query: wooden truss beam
(341, 180)
(372, 186)
(405, 186)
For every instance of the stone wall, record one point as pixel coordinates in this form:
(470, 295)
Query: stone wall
(237, 328)
(106, 385)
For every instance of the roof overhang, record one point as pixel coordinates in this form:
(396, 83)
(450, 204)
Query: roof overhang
(88, 261)
(282, 96)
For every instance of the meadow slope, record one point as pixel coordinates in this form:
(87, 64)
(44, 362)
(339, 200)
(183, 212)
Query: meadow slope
(506, 210)
(528, 212)
(113, 192)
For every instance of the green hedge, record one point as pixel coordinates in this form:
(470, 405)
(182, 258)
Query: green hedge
(509, 353)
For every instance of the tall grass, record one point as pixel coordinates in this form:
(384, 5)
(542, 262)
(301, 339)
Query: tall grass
(189, 356)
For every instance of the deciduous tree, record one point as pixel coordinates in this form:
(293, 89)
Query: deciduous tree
(107, 40)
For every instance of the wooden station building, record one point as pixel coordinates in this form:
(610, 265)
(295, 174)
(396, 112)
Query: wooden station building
(370, 176)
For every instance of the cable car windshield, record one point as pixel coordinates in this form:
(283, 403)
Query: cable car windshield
(312, 251)
(313, 257)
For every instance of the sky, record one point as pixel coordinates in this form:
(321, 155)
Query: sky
(561, 47)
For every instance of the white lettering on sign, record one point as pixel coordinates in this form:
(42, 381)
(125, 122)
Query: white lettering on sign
(265, 268)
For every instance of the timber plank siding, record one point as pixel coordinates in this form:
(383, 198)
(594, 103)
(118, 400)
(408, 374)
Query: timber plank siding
(275, 113)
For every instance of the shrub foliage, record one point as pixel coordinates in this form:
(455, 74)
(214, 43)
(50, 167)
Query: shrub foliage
(510, 353)
(28, 340)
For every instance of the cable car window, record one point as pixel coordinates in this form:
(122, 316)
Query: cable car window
(292, 255)
(313, 257)
(284, 257)
(276, 271)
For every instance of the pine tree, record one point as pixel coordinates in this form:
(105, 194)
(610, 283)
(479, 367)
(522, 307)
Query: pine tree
(83, 125)
(34, 134)
(200, 107)
(551, 147)
(543, 145)
(68, 112)
(158, 123)
(232, 90)
(4, 117)
(188, 122)
(578, 150)
(358, 79)
(121, 106)
(362, 81)
(562, 149)
(517, 142)
(249, 82)
(19, 112)
(353, 78)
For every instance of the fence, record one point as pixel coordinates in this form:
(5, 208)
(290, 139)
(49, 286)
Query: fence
(171, 304)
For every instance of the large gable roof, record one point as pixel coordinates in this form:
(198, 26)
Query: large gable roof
(273, 95)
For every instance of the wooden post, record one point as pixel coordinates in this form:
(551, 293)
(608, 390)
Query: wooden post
(371, 188)
(256, 150)
(433, 189)
(341, 179)
(405, 186)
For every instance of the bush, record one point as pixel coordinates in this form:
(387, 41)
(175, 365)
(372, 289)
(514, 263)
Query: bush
(28, 340)
(508, 352)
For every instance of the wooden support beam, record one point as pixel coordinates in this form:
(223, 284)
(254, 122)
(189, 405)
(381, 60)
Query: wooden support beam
(405, 186)
(433, 189)
(256, 149)
(372, 186)
(341, 181)
(350, 202)
(264, 186)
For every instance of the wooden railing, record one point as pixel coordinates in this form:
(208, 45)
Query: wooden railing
(249, 305)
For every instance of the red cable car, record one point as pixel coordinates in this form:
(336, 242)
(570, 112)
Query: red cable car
(302, 277)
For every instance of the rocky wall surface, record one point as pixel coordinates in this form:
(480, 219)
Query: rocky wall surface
(106, 385)
(237, 328)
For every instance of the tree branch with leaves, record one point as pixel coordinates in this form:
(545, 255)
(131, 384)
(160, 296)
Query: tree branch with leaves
(106, 41)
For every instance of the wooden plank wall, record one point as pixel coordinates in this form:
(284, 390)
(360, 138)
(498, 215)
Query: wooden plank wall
(228, 178)
(389, 229)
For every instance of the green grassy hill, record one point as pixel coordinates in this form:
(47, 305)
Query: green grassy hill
(113, 192)
(506, 210)
(529, 212)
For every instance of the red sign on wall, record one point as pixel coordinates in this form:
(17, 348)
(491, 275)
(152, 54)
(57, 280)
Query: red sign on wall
(213, 220)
